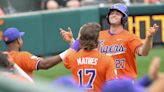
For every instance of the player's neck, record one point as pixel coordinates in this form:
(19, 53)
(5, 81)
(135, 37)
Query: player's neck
(95, 49)
(116, 29)
(13, 48)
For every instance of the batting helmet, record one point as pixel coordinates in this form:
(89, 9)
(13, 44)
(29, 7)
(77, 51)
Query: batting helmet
(121, 8)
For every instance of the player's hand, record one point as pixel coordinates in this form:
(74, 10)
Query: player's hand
(161, 75)
(67, 35)
(152, 30)
(154, 68)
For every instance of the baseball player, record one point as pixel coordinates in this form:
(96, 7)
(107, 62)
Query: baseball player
(90, 68)
(25, 60)
(122, 45)
(119, 43)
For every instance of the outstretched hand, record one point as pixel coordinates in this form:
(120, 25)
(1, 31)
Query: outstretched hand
(153, 30)
(67, 35)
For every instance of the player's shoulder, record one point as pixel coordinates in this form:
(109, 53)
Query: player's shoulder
(129, 34)
(25, 53)
(71, 54)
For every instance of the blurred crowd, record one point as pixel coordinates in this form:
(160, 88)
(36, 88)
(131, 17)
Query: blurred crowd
(10, 6)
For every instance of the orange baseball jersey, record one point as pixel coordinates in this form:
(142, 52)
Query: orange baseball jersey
(122, 48)
(91, 69)
(25, 60)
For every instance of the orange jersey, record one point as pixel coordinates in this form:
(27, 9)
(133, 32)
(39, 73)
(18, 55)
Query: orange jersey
(25, 60)
(90, 69)
(122, 48)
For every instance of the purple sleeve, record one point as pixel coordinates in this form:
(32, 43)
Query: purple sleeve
(75, 45)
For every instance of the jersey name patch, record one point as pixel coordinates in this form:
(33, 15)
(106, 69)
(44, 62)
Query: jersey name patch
(87, 60)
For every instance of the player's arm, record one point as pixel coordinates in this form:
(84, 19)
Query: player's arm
(49, 62)
(147, 45)
(54, 60)
(46, 63)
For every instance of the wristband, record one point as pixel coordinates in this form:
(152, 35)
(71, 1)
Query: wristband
(75, 46)
(63, 55)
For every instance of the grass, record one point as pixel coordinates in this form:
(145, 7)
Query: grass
(51, 74)
(142, 66)
(144, 62)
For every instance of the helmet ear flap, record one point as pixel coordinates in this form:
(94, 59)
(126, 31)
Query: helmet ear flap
(124, 20)
(107, 17)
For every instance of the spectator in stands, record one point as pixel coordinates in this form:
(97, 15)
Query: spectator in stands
(152, 1)
(9, 9)
(73, 4)
(98, 2)
(52, 5)
(49, 4)
(88, 2)
(127, 2)
(62, 3)
(1, 11)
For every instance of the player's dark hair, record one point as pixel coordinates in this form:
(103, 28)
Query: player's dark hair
(89, 34)
(9, 42)
(4, 63)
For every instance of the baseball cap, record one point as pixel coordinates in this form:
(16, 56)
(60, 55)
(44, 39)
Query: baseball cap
(67, 83)
(122, 85)
(12, 34)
